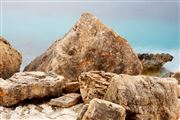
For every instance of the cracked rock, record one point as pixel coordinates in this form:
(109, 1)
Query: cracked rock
(144, 97)
(89, 46)
(28, 85)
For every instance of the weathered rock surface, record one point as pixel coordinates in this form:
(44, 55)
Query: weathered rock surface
(177, 76)
(145, 98)
(29, 85)
(39, 112)
(178, 93)
(89, 46)
(94, 84)
(71, 87)
(67, 100)
(102, 110)
(10, 59)
(154, 62)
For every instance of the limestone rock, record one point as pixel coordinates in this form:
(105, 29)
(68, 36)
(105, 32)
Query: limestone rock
(67, 100)
(10, 59)
(144, 97)
(154, 62)
(71, 87)
(103, 110)
(94, 84)
(89, 46)
(29, 85)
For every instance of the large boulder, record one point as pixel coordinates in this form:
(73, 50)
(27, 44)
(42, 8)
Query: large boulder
(94, 84)
(102, 110)
(10, 59)
(30, 85)
(88, 46)
(144, 97)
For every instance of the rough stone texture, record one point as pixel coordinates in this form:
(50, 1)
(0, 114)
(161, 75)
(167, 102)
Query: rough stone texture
(39, 112)
(67, 100)
(94, 84)
(177, 76)
(153, 62)
(29, 85)
(10, 59)
(89, 46)
(103, 110)
(71, 87)
(145, 98)
(178, 93)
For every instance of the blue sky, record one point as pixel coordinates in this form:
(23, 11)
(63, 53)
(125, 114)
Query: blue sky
(148, 26)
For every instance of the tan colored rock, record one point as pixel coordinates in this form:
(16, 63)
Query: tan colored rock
(94, 84)
(29, 85)
(71, 87)
(144, 97)
(178, 93)
(177, 76)
(89, 46)
(103, 110)
(66, 101)
(10, 59)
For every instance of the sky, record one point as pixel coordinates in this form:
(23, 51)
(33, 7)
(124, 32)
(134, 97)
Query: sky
(31, 26)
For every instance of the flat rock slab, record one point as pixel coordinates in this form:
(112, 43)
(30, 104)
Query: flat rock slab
(88, 46)
(71, 87)
(144, 97)
(66, 101)
(94, 84)
(102, 110)
(28, 85)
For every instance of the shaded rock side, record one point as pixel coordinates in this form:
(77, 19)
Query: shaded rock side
(94, 84)
(10, 59)
(102, 110)
(67, 100)
(29, 85)
(154, 62)
(71, 87)
(88, 46)
(145, 98)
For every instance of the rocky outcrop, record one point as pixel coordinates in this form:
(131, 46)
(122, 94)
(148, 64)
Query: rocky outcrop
(145, 98)
(29, 85)
(89, 45)
(102, 110)
(177, 76)
(66, 101)
(71, 87)
(10, 59)
(154, 62)
(94, 84)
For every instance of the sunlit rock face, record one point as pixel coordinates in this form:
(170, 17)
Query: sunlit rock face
(89, 45)
(10, 59)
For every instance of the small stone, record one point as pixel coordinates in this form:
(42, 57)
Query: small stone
(71, 87)
(94, 84)
(102, 110)
(28, 85)
(67, 100)
(177, 76)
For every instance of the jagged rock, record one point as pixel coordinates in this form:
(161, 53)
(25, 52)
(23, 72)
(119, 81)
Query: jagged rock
(94, 84)
(39, 112)
(89, 46)
(29, 85)
(67, 100)
(10, 59)
(144, 97)
(154, 62)
(177, 76)
(102, 110)
(71, 87)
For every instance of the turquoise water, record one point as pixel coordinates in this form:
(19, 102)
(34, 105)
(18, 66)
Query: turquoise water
(149, 27)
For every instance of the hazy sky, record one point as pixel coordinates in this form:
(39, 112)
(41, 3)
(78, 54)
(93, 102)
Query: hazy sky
(149, 25)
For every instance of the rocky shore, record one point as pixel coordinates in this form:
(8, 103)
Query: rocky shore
(92, 73)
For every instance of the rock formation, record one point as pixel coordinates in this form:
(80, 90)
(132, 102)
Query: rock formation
(94, 84)
(154, 62)
(29, 85)
(89, 45)
(10, 59)
(145, 98)
(102, 110)
(66, 101)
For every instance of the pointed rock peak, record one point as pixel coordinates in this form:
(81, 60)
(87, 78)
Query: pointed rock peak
(2, 39)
